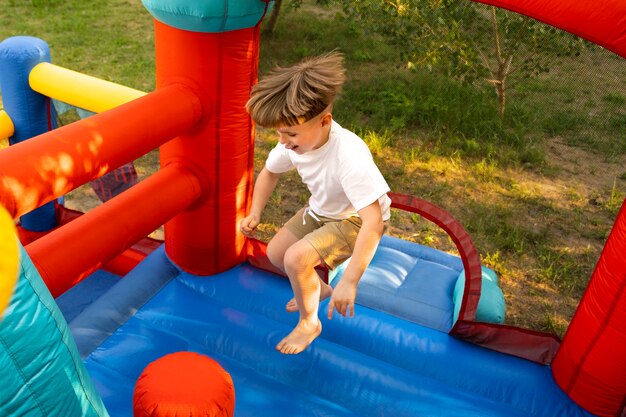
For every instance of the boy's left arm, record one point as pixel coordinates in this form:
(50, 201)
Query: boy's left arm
(367, 240)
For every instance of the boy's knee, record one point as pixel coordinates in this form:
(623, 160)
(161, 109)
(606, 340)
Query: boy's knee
(299, 257)
(291, 261)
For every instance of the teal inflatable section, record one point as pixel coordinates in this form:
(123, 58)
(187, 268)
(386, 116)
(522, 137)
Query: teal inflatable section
(211, 16)
(42, 374)
(491, 306)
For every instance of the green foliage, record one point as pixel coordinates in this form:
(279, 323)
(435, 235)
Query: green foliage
(45, 3)
(564, 269)
(534, 45)
(295, 4)
(561, 122)
(615, 99)
(460, 118)
(453, 38)
(500, 223)
(377, 142)
(616, 199)
(494, 261)
(401, 100)
(424, 34)
(551, 323)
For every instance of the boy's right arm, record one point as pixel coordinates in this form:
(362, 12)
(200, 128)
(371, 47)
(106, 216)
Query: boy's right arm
(263, 188)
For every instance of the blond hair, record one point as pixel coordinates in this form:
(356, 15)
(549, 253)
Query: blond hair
(293, 95)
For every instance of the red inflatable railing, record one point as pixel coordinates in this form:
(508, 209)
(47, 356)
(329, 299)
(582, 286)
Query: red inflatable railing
(50, 165)
(111, 228)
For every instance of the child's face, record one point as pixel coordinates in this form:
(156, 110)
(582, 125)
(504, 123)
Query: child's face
(308, 136)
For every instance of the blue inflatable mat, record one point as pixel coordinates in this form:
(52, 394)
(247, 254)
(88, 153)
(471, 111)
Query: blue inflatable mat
(76, 299)
(371, 365)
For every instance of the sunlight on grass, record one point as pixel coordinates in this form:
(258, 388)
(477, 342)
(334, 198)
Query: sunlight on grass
(484, 170)
(377, 142)
(494, 261)
(552, 321)
(566, 267)
(616, 198)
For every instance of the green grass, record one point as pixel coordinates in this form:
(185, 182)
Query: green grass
(109, 39)
(584, 105)
(536, 217)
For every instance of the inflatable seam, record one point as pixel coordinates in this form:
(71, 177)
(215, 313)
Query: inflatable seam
(201, 17)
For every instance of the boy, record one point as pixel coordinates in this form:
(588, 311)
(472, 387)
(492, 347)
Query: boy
(348, 204)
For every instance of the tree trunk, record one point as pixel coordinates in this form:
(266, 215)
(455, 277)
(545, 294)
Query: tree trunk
(504, 66)
(501, 91)
(271, 23)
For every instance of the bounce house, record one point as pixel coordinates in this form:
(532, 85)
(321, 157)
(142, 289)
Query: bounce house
(97, 320)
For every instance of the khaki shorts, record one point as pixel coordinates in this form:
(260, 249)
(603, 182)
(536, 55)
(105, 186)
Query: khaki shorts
(332, 239)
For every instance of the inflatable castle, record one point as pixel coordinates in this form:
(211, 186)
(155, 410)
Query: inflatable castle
(98, 320)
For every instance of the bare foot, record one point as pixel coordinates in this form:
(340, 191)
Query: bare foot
(325, 292)
(300, 337)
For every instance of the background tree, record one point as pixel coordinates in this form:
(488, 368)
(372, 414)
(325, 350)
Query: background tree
(464, 40)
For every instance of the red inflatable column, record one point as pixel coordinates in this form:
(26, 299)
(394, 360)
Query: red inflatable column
(222, 67)
(590, 366)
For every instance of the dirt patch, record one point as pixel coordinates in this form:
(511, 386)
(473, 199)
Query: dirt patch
(578, 195)
(583, 170)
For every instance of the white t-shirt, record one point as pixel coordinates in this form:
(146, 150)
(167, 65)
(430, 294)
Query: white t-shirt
(341, 175)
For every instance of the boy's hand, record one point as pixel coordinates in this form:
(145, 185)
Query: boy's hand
(342, 299)
(249, 224)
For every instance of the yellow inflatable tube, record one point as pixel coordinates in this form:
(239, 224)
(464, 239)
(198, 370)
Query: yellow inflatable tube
(9, 259)
(6, 125)
(78, 89)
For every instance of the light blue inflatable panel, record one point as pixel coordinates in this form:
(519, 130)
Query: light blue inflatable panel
(212, 16)
(409, 281)
(491, 306)
(42, 374)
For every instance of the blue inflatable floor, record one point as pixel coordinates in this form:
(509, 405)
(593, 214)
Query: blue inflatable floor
(76, 299)
(371, 365)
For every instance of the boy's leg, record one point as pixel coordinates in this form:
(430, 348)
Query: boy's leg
(276, 249)
(300, 261)
(279, 244)
(334, 242)
(325, 292)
